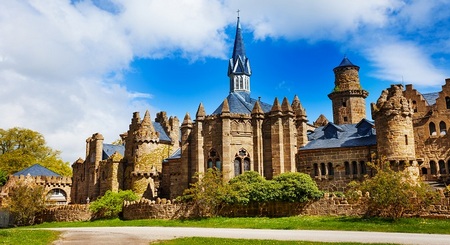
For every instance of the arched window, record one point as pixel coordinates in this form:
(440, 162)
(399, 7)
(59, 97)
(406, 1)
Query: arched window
(323, 169)
(414, 105)
(442, 167)
(214, 160)
(242, 162)
(442, 128)
(362, 167)
(57, 196)
(316, 169)
(246, 164)
(432, 127)
(330, 169)
(237, 166)
(347, 168)
(218, 164)
(354, 168)
(424, 171)
(433, 168)
(210, 163)
(447, 102)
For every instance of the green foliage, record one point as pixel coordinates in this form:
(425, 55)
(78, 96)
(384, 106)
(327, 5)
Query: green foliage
(26, 201)
(207, 193)
(3, 177)
(210, 193)
(21, 148)
(297, 187)
(110, 204)
(391, 193)
(27, 236)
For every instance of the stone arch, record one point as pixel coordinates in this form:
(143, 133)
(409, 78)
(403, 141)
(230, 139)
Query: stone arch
(56, 196)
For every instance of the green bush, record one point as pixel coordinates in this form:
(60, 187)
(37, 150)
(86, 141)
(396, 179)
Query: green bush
(297, 187)
(3, 177)
(110, 204)
(391, 193)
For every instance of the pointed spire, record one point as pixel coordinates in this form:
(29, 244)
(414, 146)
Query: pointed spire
(187, 119)
(225, 106)
(346, 63)
(239, 70)
(201, 111)
(285, 106)
(297, 107)
(276, 106)
(257, 110)
(147, 121)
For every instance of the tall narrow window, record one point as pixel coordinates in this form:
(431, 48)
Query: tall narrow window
(362, 166)
(432, 127)
(330, 169)
(344, 103)
(442, 128)
(214, 160)
(433, 168)
(414, 105)
(237, 166)
(323, 169)
(316, 170)
(406, 139)
(246, 164)
(447, 102)
(347, 168)
(442, 167)
(354, 168)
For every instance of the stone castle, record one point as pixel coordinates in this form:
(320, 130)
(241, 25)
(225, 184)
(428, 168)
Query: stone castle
(242, 134)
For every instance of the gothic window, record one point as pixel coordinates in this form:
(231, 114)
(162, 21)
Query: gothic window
(330, 169)
(447, 102)
(316, 169)
(432, 127)
(354, 168)
(347, 168)
(323, 169)
(237, 166)
(441, 167)
(433, 168)
(414, 105)
(246, 164)
(214, 160)
(442, 128)
(363, 169)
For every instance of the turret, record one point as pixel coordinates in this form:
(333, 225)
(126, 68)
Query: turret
(300, 122)
(348, 98)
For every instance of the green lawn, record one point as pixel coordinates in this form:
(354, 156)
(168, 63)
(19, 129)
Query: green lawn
(23, 236)
(408, 225)
(223, 241)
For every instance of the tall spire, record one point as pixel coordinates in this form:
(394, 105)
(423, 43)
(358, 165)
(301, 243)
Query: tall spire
(239, 70)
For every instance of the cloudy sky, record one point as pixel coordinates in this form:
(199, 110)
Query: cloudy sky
(69, 69)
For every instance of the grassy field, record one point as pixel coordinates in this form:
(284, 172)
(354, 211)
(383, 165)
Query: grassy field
(409, 225)
(23, 236)
(223, 241)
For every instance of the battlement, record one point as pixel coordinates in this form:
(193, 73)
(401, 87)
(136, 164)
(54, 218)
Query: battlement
(43, 180)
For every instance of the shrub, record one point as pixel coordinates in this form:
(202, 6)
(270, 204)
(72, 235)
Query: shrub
(26, 202)
(297, 187)
(391, 193)
(110, 204)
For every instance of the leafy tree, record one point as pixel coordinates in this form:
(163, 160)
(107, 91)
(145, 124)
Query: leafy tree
(111, 204)
(3, 177)
(391, 193)
(297, 187)
(21, 148)
(207, 193)
(26, 201)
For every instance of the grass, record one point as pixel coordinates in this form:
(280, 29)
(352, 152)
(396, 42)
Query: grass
(406, 225)
(223, 241)
(22, 236)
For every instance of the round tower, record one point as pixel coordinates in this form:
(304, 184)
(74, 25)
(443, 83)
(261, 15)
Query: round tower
(393, 122)
(348, 98)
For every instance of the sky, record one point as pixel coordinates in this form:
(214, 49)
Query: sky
(69, 69)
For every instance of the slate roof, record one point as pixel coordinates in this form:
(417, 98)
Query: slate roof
(347, 135)
(109, 149)
(37, 170)
(239, 63)
(431, 97)
(346, 63)
(241, 103)
(175, 155)
(162, 134)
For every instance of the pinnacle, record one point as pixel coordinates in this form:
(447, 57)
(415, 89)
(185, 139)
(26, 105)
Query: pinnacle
(285, 106)
(257, 109)
(225, 106)
(276, 106)
(201, 111)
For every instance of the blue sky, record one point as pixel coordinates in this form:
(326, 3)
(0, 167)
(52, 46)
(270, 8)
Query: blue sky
(69, 69)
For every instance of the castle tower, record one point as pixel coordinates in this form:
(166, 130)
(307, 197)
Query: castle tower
(348, 98)
(239, 70)
(393, 121)
(300, 122)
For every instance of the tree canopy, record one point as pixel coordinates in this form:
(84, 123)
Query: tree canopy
(21, 148)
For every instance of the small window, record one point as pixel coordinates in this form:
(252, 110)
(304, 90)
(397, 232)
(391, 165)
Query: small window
(432, 127)
(345, 119)
(354, 168)
(406, 139)
(362, 166)
(330, 169)
(433, 167)
(323, 169)
(442, 167)
(414, 105)
(347, 168)
(344, 103)
(447, 102)
(442, 128)
(316, 169)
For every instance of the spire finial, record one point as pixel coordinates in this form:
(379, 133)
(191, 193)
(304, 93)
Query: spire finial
(238, 12)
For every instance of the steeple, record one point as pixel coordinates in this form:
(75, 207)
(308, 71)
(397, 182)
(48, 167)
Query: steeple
(239, 70)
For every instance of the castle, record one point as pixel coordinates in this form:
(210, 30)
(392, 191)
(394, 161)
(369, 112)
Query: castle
(409, 130)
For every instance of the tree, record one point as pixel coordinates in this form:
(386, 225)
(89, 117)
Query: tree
(391, 193)
(21, 148)
(26, 202)
(111, 204)
(3, 177)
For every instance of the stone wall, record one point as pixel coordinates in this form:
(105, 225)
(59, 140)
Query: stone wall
(75, 212)
(146, 209)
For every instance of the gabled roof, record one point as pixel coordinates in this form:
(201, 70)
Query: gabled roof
(37, 170)
(431, 97)
(238, 104)
(109, 149)
(347, 136)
